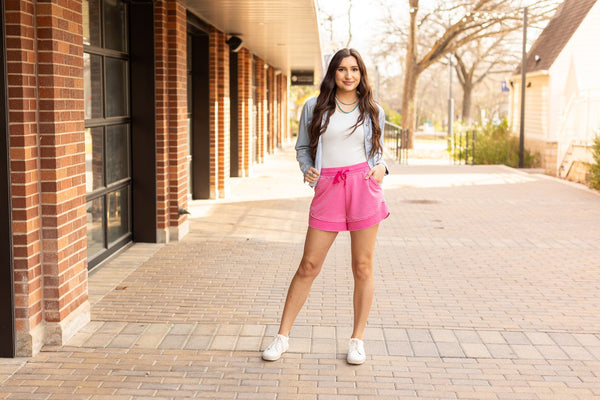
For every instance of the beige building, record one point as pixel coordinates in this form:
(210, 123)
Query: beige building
(562, 100)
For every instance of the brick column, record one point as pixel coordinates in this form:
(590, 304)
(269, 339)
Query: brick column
(25, 179)
(261, 105)
(47, 171)
(162, 120)
(224, 118)
(249, 129)
(177, 116)
(271, 107)
(281, 109)
(171, 119)
(219, 114)
(286, 107)
(243, 111)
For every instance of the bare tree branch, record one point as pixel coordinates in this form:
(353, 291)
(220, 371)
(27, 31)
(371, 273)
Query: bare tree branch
(349, 24)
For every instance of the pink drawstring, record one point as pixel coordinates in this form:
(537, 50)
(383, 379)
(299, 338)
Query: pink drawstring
(341, 176)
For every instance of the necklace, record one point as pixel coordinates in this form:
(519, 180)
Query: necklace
(346, 104)
(345, 112)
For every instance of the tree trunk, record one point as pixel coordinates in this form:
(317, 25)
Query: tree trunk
(411, 75)
(466, 102)
(409, 111)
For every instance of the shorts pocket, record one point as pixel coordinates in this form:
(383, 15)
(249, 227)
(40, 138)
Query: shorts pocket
(375, 183)
(318, 207)
(328, 203)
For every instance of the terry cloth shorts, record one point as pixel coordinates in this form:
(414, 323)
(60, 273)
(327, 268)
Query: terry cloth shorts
(346, 201)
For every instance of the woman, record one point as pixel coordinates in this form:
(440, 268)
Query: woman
(339, 149)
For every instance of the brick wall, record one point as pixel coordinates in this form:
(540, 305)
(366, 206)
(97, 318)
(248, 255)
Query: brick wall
(282, 108)
(219, 114)
(223, 144)
(261, 107)
(285, 115)
(171, 118)
(244, 111)
(271, 106)
(24, 156)
(162, 119)
(45, 85)
(177, 110)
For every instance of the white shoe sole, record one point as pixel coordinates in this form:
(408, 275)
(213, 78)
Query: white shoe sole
(355, 362)
(271, 358)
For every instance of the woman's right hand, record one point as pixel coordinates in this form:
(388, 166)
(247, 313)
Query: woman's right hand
(311, 175)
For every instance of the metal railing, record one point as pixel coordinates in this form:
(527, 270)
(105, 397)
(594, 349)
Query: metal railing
(461, 146)
(395, 140)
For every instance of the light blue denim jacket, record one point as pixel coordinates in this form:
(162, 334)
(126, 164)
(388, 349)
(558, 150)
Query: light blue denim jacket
(303, 153)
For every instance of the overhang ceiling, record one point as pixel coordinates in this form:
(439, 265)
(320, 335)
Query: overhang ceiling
(284, 33)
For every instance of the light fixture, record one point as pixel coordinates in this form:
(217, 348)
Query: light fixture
(235, 43)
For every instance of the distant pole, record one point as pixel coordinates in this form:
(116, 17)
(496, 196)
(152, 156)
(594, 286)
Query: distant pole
(450, 99)
(523, 85)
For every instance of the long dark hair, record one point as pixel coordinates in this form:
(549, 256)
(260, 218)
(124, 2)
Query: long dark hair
(326, 102)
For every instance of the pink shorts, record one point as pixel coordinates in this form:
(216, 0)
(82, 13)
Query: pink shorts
(346, 201)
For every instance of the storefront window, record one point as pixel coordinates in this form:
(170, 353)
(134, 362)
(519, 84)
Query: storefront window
(107, 131)
(91, 22)
(117, 153)
(118, 214)
(92, 87)
(94, 159)
(116, 87)
(95, 230)
(114, 25)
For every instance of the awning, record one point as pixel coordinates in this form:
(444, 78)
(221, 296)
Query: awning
(284, 33)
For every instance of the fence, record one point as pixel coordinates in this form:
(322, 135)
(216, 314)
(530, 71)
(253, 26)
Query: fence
(461, 146)
(395, 140)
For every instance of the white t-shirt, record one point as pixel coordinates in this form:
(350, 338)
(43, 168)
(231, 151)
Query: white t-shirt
(340, 148)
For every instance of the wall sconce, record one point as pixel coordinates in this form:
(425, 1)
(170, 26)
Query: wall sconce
(235, 43)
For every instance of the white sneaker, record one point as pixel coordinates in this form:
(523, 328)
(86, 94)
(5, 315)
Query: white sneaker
(356, 352)
(278, 346)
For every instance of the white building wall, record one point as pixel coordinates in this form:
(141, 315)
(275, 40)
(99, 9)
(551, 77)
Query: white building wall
(575, 95)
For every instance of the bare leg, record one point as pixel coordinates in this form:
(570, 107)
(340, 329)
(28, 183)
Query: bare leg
(316, 246)
(363, 247)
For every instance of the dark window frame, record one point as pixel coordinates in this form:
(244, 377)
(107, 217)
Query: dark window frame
(7, 285)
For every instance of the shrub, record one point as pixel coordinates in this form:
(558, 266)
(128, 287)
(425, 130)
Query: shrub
(594, 167)
(495, 145)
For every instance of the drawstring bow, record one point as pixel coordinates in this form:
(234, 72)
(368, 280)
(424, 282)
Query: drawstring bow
(341, 176)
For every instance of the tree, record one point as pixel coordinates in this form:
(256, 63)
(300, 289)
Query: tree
(475, 61)
(475, 20)
(327, 24)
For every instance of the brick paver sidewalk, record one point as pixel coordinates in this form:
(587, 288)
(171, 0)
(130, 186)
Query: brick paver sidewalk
(487, 287)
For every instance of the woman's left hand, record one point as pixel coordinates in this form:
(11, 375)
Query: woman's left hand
(378, 173)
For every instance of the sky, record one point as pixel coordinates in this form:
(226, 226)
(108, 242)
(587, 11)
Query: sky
(366, 17)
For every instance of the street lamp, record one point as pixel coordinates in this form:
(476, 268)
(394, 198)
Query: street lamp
(523, 73)
(450, 98)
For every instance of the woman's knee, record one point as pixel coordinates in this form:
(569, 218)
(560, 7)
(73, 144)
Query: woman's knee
(362, 270)
(308, 268)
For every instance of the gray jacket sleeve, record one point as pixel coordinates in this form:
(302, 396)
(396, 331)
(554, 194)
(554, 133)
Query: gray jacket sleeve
(303, 153)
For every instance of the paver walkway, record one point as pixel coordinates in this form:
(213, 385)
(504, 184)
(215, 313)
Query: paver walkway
(487, 287)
